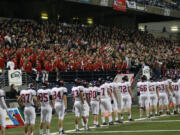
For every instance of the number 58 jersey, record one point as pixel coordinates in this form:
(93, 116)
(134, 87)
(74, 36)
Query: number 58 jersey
(27, 97)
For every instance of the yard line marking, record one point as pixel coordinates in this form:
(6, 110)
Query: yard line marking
(126, 131)
(93, 127)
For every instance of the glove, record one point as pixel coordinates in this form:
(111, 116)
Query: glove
(53, 111)
(112, 101)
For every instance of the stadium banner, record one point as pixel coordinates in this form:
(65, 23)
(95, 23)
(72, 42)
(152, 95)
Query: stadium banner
(15, 77)
(119, 77)
(167, 12)
(104, 3)
(146, 71)
(14, 119)
(131, 4)
(120, 5)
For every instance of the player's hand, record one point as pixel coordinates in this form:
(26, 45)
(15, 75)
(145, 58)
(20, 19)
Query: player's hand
(133, 99)
(65, 110)
(112, 101)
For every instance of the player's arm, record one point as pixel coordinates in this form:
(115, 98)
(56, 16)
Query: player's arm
(171, 88)
(35, 100)
(157, 92)
(52, 101)
(65, 100)
(88, 99)
(166, 87)
(19, 100)
(110, 94)
(116, 94)
(130, 92)
(81, 97)
(4, 104)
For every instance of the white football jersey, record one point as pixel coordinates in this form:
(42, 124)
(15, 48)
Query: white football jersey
(123, 88)
(104, 91)
(76, 93)
(27, 97)
(176, 87)
(44, 96)
(153, 86)
(93, 92)
(162, 86)
(58, 93)
(85, 91)
(143, 88)
(111, 87)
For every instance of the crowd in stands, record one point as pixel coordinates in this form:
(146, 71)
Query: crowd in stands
(168, 4)
(45, 46)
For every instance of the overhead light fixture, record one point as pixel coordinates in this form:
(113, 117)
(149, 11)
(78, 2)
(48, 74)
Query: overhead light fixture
(174, 28)
(89, 20)
(44, 16)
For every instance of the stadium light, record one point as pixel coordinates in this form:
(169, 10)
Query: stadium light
(44, 16)
(89, 20)
(174, 28)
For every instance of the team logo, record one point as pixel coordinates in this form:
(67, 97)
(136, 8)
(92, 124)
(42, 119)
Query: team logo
(16, 74)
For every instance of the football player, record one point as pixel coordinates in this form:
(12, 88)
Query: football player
(95, 99)
(112, 87)
(79, 104)
(27, 99)
(60, 97)
(3, 111)
(143, 90)
(106, 102)
(47, 104)
(163, 96)
(154, 97)
(176, 91)
(126, 97)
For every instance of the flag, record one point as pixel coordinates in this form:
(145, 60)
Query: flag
(120, 5)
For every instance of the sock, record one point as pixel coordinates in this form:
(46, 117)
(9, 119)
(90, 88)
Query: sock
(32, 133)
(60, 129)
(168, 110)
(116, 118)
(140, 116)
(94, 122)
(151, 113)
(97, 123)
(178, 109)
(156, 112)
(122, 117)
(110, 118)
(76, 126)
(82, 122)
(103, 119)
(47, 131)
(25, 133)
(87, 121)
(41, 131)
(129, 116)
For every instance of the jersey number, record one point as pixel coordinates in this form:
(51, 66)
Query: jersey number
(43, 97)
(143, 88)
(57, 95)
(93, 94)
(25, 98)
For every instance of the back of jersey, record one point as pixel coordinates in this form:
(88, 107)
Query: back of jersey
(153, 86)
(162, 86)
(58, 94)
(44, 97)
(93, 92)
(27, 97)
(76, 93)
(2, 94)
(143, 88)
(104, 91)
(124, 88)
(176, 87)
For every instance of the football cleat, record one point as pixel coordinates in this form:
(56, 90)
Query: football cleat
(104, 123)
(111, 123)
(130, 119)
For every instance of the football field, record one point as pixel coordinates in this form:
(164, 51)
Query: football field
(164, 125)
